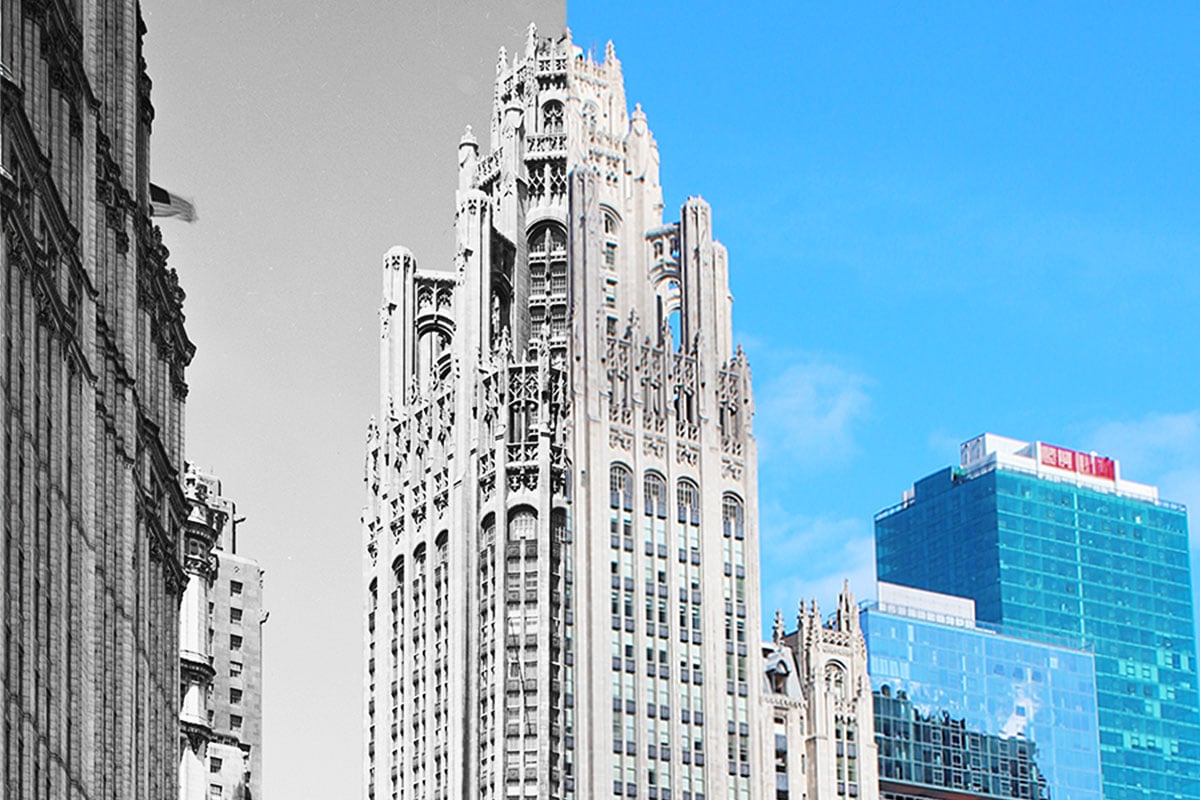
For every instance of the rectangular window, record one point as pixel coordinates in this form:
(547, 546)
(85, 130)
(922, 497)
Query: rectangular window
(215, 792)
(235, 615)
(214, 764)
(235, 722)
(235, 642)
(235, 695)
(235, 669)
(235, 587)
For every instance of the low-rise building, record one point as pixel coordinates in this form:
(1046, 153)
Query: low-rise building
(961, 707)
(816, 708)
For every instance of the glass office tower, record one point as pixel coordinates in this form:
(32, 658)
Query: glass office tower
(962, 707)
(1049, 541)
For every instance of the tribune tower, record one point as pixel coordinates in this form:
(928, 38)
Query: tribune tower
(561, 542)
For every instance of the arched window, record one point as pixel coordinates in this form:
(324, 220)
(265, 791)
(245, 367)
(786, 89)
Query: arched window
(733, 517)
(433, 352)
(687, 498)
(611, 229)
(487, 532)
(654, 490)
(552, 117)
(522, 524)
(558, 526)
(547, 237)
(620, 487)
(835, 680)
(548, 279)
(522, 421)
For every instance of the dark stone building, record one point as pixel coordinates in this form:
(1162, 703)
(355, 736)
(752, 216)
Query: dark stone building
(91, 400)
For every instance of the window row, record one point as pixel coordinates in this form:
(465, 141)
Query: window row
(687, 499)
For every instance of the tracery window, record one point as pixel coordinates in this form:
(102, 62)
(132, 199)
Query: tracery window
(835, 680)
(620, 487)
(522, 422)
(552, 117)
(548, 279)
(688, 502)
(733, 517)
(522, 524)
(611, 231)
(655, 492)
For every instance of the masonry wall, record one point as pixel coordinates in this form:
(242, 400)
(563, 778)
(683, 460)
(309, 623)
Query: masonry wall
(91, 404)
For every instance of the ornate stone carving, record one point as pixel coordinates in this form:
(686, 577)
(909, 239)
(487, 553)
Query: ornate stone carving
(687, 454)
(620, 437)
(655, 446)
(732, 468)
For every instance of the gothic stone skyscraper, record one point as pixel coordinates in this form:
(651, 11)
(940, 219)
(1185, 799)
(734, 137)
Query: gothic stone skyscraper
(91, 400)
(561, 539)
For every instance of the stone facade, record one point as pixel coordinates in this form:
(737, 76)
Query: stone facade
(209, 515)
(91, 401)
(817, 703)
(221, 653)
(560, 547)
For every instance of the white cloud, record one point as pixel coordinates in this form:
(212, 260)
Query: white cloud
(1163, 450)
(808, 412)
(944, 444)
(809, 557)
(1154, 444)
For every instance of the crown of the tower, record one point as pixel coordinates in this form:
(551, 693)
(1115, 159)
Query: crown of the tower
(578, 356)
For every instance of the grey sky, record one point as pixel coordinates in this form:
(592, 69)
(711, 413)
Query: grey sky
(312, 137)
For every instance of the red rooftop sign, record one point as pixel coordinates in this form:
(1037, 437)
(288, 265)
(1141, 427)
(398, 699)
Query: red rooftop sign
(1081, 463)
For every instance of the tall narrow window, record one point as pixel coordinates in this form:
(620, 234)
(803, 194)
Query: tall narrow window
(552, 117)
(522, 421)
(688, 502)
(655, 491)
(548, 279)
(620, 487)
(611, 238)
(732, 517)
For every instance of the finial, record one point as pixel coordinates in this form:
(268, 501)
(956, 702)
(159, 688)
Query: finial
(468, 137)
(610, 53)
(531, 39)
(777, 630)
(502, 59)
(843, 611)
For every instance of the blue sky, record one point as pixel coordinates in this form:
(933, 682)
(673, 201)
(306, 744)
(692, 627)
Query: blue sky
(942, 219)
